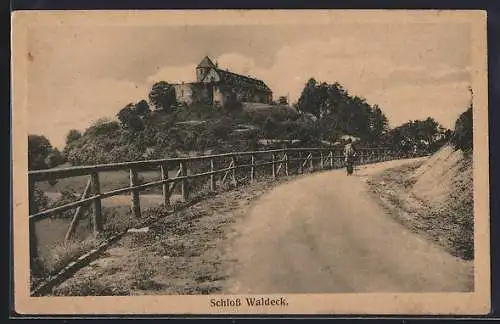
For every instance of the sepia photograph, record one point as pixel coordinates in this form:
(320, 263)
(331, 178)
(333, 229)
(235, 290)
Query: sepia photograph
(250, 162)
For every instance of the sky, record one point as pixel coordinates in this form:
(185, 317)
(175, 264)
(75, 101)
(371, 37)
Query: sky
(80, 73)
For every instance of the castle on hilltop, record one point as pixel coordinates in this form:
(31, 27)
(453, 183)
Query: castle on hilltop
(216, 86)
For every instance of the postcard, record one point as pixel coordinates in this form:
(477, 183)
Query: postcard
(250, 162)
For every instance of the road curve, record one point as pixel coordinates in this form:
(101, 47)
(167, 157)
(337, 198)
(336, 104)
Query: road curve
(325, 233)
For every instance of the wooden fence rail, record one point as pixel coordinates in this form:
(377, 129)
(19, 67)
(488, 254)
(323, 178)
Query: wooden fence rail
(285, 161)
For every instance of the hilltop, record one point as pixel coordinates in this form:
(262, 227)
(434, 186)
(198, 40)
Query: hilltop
(161, 127)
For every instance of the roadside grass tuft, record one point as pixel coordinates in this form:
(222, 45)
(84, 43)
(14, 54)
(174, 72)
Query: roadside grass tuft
(62, 254)
(143, 274)
(90, 286)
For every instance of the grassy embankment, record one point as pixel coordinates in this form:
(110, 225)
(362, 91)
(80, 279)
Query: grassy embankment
(433, 198)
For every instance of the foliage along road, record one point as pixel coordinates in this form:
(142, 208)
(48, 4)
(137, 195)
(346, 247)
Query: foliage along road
(326, 233)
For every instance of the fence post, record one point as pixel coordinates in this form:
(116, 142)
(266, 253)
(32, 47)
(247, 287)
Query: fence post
(311, 166)
(97, 211)
(76, 217)
(274, 165)
(212, 175)
(286, 162)
(134, 195)
(184, 183)
(34, 262)
(331, 159)
(233, 173)
(165, 186)
(321, 164)
(252, 169)
(33, 208)
(300, 162)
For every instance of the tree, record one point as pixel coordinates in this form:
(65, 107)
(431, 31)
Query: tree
(379, 124)
(307, 132)
(269, 127)
(72, 136)
(71, 140)
(102, 126)
(462, 136)
(142, 108)
(425, 134)
(220, 129)
(129, 118)
(162, 96)
(39, 148)
(339, 113)
(308, 100)
(54, 158)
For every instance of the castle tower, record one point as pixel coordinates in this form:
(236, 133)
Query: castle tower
(203, 68)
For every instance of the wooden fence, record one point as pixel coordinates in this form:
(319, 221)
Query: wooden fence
(235, 168)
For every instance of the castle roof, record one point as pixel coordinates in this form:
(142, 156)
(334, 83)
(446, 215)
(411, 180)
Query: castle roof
(234, 78)
(206, 63)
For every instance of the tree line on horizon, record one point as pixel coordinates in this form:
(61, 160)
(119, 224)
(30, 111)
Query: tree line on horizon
(340, 113)
(160, 127)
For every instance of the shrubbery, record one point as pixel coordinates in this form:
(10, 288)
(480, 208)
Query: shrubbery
(41, 154)
(66, 198)
(427, 135)
(462, 136)
(163, 134)
(39, 201)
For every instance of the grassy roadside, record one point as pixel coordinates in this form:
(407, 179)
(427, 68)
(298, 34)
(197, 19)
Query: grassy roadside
(55, 253)
(450, 224)
(182, 253)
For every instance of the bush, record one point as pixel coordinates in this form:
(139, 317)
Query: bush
(103, 126)
(73, 135)
(66, 198)
(39, 149)
(39, 201)
(88, 153)
(90, 286)
(62, 254)
(231, 105)
(54, 158)
(462, 136)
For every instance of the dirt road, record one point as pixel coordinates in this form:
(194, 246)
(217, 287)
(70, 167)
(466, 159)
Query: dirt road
(326, 233)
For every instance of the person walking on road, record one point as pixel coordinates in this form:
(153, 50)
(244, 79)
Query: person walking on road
(349, 154)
